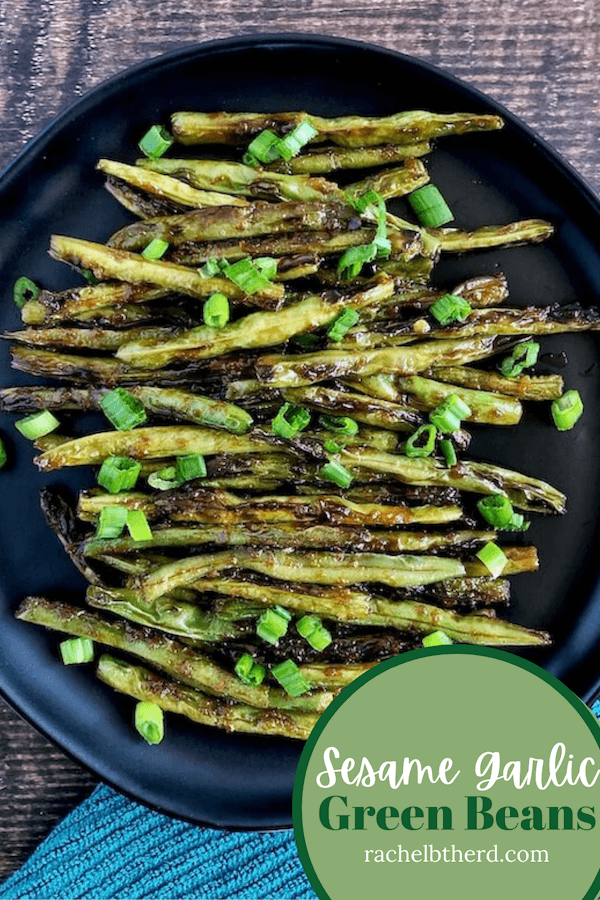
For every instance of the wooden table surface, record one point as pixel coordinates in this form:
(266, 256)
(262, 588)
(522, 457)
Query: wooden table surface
(539, 57)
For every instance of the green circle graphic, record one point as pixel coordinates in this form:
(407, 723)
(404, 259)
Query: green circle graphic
(459, 770)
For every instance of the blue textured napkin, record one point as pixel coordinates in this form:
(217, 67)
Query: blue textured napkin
(110, 847)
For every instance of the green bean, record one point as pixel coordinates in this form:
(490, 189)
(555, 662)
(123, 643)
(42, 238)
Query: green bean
(166, 187)
(345, 604)
(330, 159)
(236, 178)
(392, 182)
(107, 262)
(54, 307)
(296, 371)
(140, 683)
(314, 567)
(226, 222)
(314, 243)
(519, 559)
(529, 321)
(485, 290)
(181, 405)
(529, 231)
(480, 478)
(354, 607)
(527, 387)
(173, 616)
(345, 131)
(85, 338)
(260, 329)
(222, 508)
(378, 413)
(424, 393)
(177, 660)
(148, 443)
(110, 372)
(282, 536)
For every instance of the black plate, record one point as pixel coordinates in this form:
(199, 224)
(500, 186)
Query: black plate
(197, 773)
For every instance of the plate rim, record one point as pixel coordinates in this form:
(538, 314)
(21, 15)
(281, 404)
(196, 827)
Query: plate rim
(255, 41)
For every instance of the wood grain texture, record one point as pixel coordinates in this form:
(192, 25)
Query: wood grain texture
(38, 786)
(539, 57)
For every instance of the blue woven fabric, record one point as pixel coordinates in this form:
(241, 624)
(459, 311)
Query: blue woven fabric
(110, 847)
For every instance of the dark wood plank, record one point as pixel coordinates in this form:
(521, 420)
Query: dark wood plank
(38, 787)
(537, 58)
(540, 59)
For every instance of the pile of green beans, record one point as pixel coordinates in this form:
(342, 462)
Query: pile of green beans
(382, 560)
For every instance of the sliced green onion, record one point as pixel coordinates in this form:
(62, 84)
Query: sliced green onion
(37, 425)
(497, 510)
(352, 260)
(89, 276)
(430, 207)
(210, 268)
(381, 243)
(450, 308)
(150, 721)
(447, 417)
(444, 420)
(360, 204)
(314, 632)
(155, 249)
(164, 479)
(248, 671)
(215, 311)
(290, 678)
(493, 558)
(3, 456)
(295, 140)
(155, 142)
(282, 611)
(112, 521)
(290, 420)
(437, 639)
(189, 467)
(320, 639)
(339, 424)
(334, 471)
(243, 666)
(76, 651)
(24, 290)
(447, 448)
(137, 525)
(338, 328)
(122, 409)
(457, 406)
(119, 473)
(422, 442)
(530, 350)
(263, 149)
(522, 357)
(517, 523)
(567, 410)
(331, 446)
(267, 147)
(245, 275)
(272, 625)
(266, 265)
